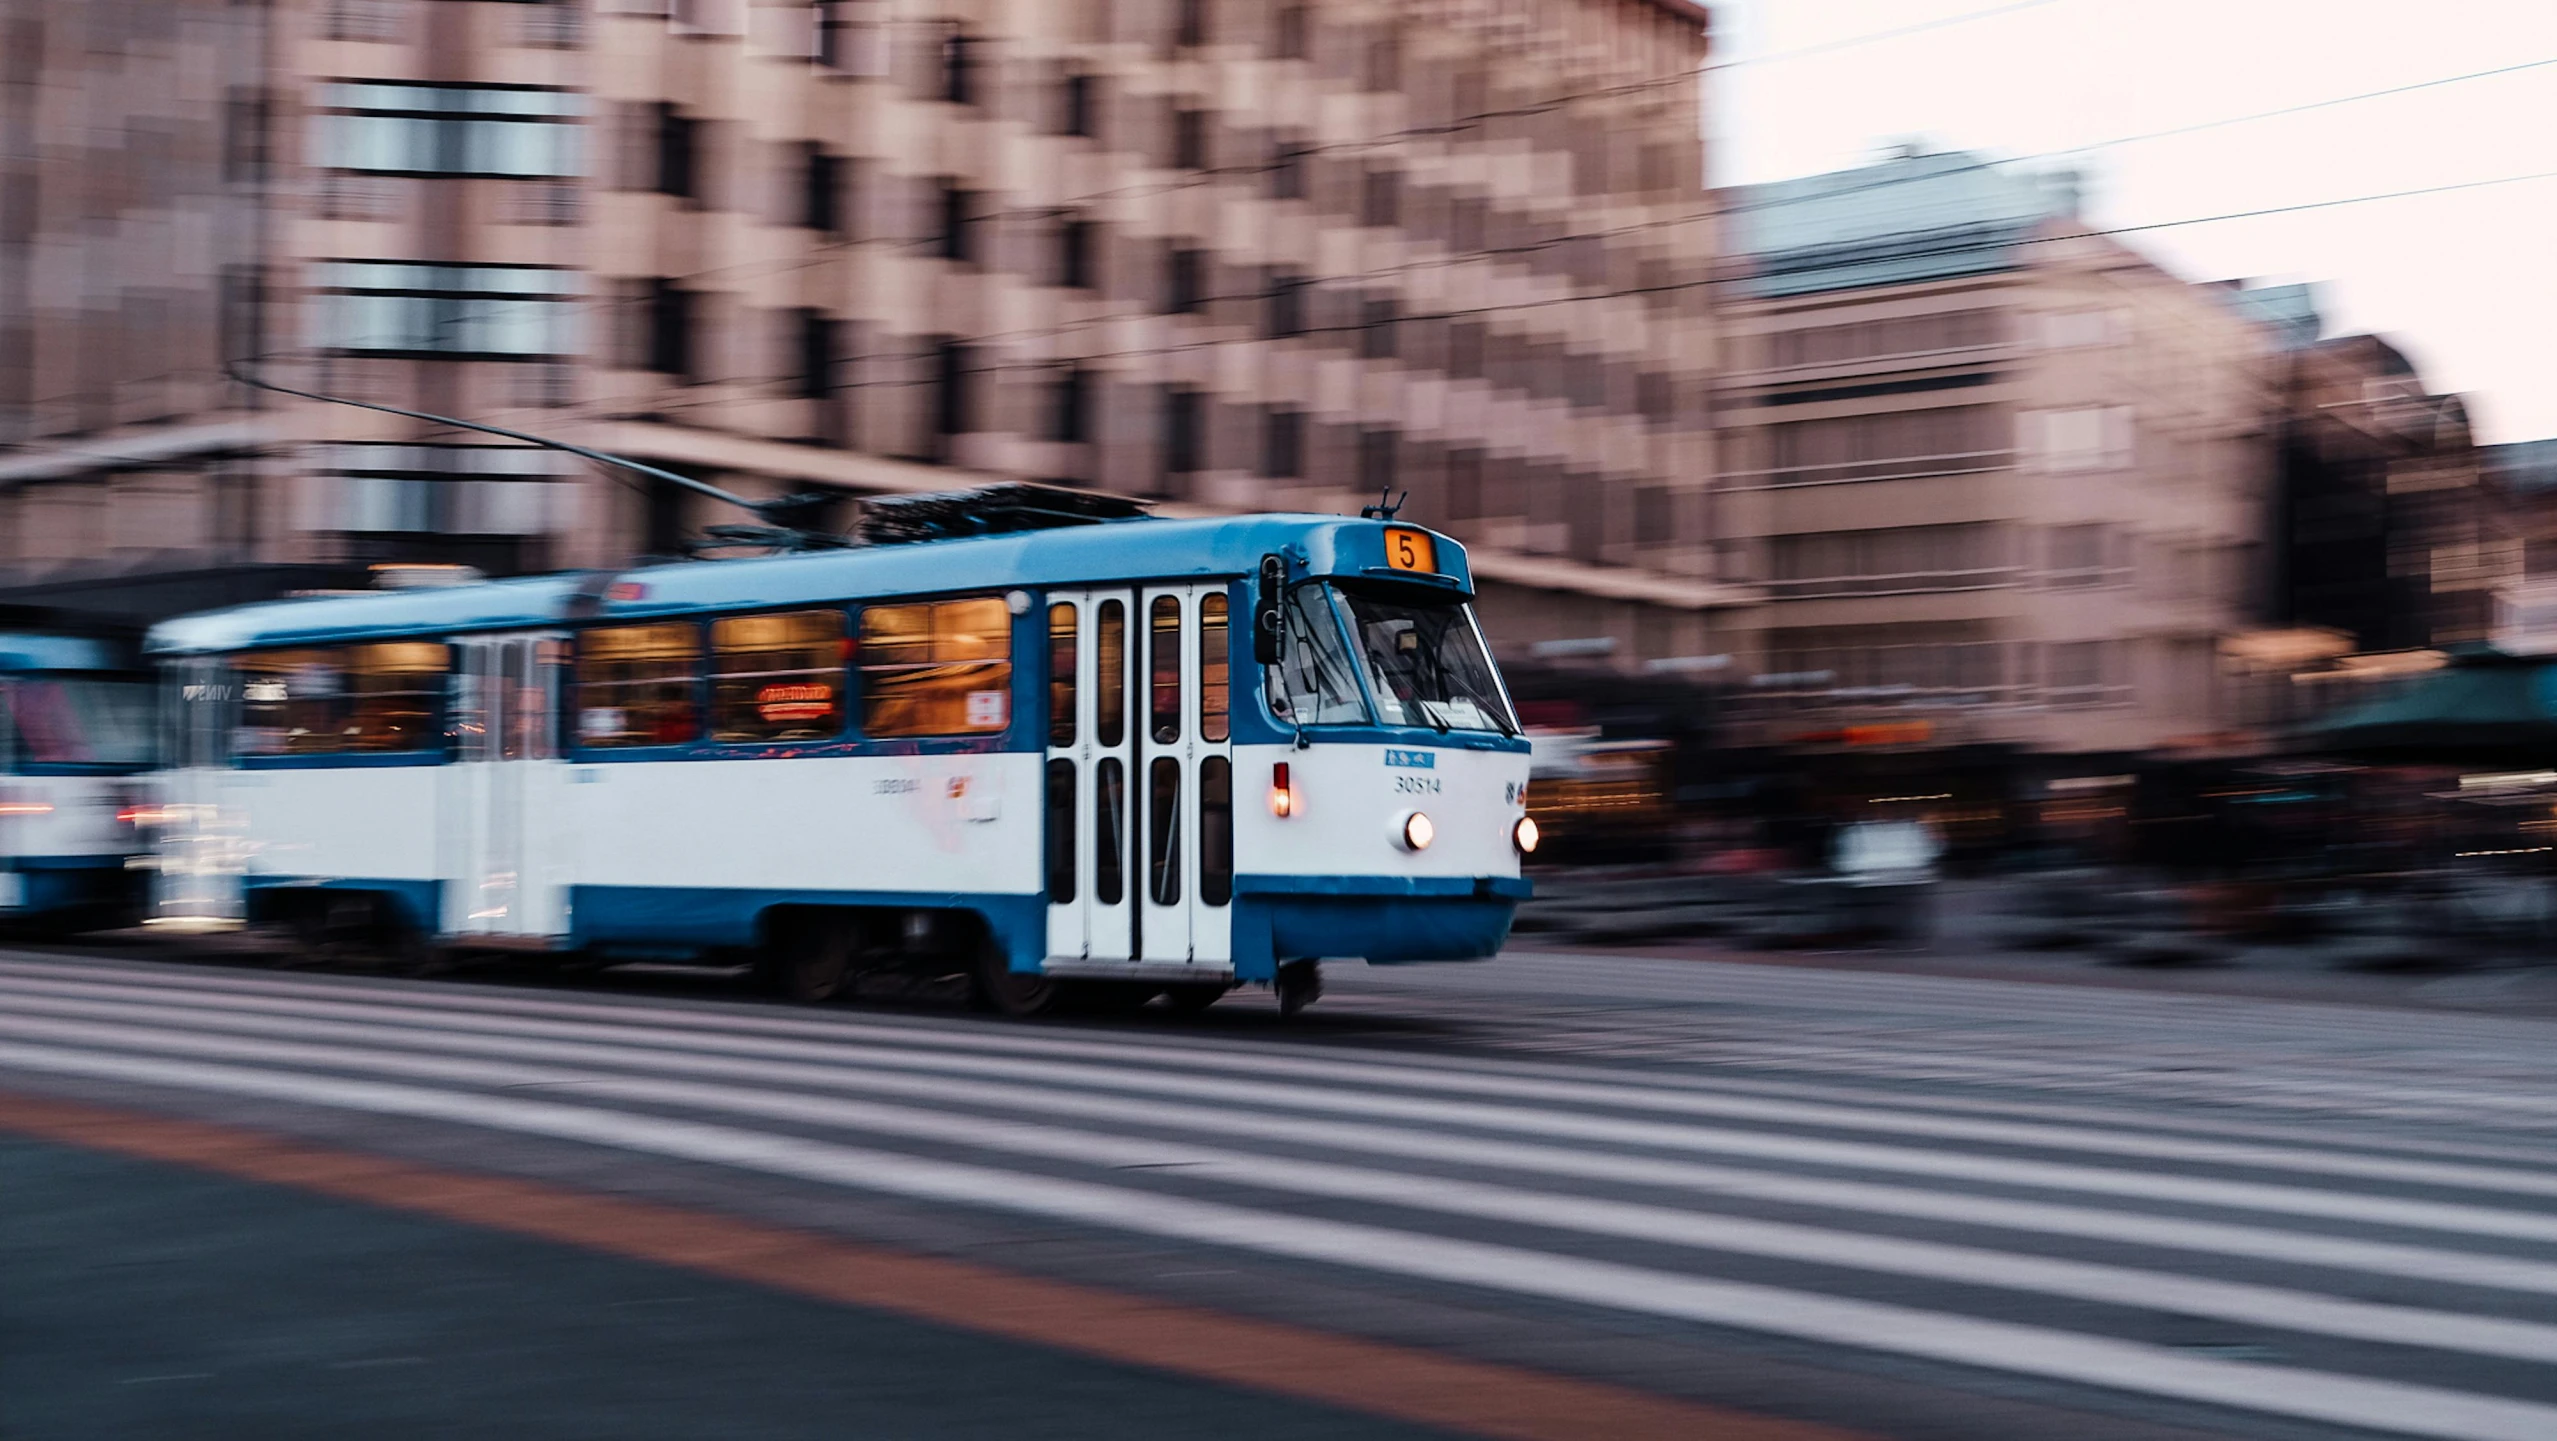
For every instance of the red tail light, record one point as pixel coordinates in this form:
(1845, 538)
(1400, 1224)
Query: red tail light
(1282, 792)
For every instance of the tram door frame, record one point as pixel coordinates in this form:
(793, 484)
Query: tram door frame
(1092, 734)
(1124, 789)
(506, 699)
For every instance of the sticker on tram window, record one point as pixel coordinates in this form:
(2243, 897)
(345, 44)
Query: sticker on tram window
(986, 709)
(1408, 549)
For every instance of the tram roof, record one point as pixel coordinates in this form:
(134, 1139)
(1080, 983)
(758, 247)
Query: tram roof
(1129, 551)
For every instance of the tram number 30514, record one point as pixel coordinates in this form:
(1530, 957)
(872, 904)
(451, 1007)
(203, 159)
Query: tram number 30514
(1416, 785)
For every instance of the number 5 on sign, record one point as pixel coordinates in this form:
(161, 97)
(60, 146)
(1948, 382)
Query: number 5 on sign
(1410, 550)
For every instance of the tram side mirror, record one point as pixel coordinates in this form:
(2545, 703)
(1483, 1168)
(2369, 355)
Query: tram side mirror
(1267, 625)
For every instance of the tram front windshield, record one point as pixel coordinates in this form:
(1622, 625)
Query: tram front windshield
(83, 721)
(1421, 661)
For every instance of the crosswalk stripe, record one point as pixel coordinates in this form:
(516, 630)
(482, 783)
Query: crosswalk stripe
(1653, 1135)
(1986, 1212)
(2412, 1409)
(1968, 1265)
(1624, 1097)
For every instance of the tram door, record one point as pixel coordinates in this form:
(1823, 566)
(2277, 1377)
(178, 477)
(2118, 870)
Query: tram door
(1140, 776)
(499, 881)
(1185, 791)
(1091, 753)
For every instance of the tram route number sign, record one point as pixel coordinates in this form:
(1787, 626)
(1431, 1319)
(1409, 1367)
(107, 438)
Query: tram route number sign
(1409, 549)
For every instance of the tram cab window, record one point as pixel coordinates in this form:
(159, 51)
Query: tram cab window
(1425, 663)
(777, 677)
(342, 700)
(635, 685)
(936, 668)
(1314, 683)
(77, 720)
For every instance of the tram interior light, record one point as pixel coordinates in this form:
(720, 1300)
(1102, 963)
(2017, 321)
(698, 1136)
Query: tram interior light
(1282, 792)
(1418, 831)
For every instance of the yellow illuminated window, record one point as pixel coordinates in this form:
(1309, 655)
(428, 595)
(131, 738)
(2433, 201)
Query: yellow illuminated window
(937, 668)
(342, 699)
(777, 677)
(635, 685)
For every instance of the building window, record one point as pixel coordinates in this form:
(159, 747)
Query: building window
(1287, 172)
(370, 21)
(1075, 244)
(1382, 66)
(813, 369)
(777, 677)
(1069, 401)
(405, 307)
(2094, 437)
(637, 685)
(678, 146)
(1287, 303)
(955, 241)
(670, 329)
(1380, 198)
(1378, 322)
(1075, 105)
(1189, 139)
(821, 189)
(1893, 560)
(448, 130)
(344, 700)
(1186, 289)
(1465, 345)
(1289, 32)
(1189, 25)
(950, 387)
(1376, 458)
(1464, 485)
(1879, 339)
(2082, 672)
(2082, 555)
(1184, 430)
(1282, 442)
(959, 69)
(1947, 440)
(943, 668)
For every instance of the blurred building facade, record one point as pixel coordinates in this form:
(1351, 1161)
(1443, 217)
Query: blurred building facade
(2000, 481)
(1223, 253)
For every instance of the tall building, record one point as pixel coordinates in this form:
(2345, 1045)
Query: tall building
(1221, 253)
(2387, 530)
(2000, 481)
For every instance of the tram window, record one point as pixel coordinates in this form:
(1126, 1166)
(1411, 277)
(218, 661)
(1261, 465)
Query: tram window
(1163, 664)
(1060, 831)
(1062, 639)
(1216, 830)
(1426, 664)
(777, 677)
(1314, 684)
(356, 699)
(77, 721)
(1163, 836)
(936, 669)
(1109, 831)
(636, 685)
(1215, 652)
(1110, 657)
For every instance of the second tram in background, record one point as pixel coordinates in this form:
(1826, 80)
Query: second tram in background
(1099, 753)
(77, 732)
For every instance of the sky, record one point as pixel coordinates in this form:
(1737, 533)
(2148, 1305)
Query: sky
(2464, 283)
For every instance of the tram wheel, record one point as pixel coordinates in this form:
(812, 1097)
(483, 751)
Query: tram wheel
(811, 960)
(1300, 984)
(1013, 993)
(1193, 999)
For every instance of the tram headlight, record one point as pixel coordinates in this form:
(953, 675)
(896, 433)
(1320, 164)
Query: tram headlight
(1524, 835)
(1418, 830)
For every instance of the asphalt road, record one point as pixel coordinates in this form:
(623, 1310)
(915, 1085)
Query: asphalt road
(1850, 1202)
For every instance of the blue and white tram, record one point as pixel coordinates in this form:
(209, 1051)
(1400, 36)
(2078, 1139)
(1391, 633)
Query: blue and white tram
(1124, 758)
(76, 737)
